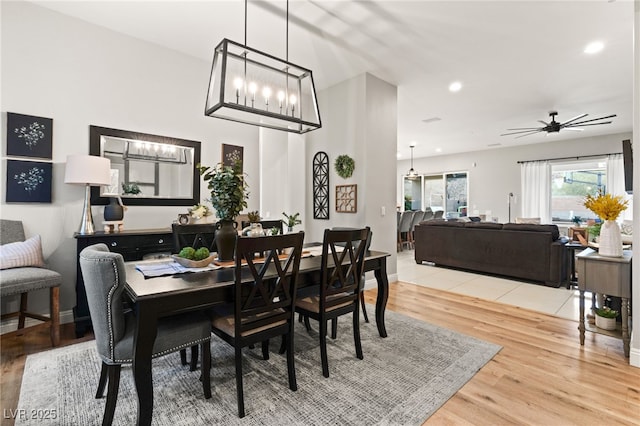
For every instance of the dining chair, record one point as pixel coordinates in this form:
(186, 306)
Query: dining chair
(404, 229)
(104, 279)
(342, 267)
(264, 297)
(194, 235)
(418, 217)
(438, 215)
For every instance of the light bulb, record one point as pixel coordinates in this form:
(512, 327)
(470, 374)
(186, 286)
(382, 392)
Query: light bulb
(280, 96)
(266, 92)
(253, 87)
(237, 83)
(292, 99)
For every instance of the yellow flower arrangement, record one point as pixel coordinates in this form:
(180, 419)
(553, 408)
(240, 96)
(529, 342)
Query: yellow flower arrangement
(606, 206)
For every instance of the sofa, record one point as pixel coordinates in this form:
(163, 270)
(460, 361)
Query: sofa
(522, 251)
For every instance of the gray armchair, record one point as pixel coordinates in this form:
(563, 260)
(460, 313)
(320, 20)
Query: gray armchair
(24, 279)
(104, 279)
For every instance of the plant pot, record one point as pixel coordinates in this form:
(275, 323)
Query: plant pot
(226, 235)
(605, 323)
(610, 239)
(113, 211)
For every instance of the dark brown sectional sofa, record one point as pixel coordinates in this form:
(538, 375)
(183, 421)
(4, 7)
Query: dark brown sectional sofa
(524, 251)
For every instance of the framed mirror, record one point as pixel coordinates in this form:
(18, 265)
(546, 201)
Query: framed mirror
(146, 170)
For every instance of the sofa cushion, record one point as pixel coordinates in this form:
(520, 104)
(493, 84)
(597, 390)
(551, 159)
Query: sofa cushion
(439, 222)
(483, 225)
(555, 233)
(22, 253)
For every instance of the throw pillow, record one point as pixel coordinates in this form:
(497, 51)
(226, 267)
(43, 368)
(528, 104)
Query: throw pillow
(22, 253)
(627, 227)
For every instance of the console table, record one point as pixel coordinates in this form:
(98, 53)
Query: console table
(610, 276)
(131, 244)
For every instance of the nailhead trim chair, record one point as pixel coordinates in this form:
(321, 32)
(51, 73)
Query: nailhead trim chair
(104, 279)
(25, 279)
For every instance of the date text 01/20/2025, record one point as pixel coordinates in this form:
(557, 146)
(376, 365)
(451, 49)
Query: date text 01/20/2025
(26, 414)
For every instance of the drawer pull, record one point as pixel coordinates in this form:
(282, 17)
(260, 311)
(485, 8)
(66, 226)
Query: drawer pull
(160, 241)
(114, 244)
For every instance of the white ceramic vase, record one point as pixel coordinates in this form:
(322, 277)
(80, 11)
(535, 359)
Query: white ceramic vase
(610, 239)
(605, 323)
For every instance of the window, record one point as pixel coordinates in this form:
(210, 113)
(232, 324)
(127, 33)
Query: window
(445, 191)
(571, 182)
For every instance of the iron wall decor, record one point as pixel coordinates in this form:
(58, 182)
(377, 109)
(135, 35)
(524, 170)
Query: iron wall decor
(347, 198)
(231, 154)
(28, 182)
(321, 186)
(29, 136)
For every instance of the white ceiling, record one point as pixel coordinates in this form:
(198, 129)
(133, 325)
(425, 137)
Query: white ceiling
(517, 60)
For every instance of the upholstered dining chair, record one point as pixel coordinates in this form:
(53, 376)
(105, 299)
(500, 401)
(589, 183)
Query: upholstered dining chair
(404, 229)
(104, 279)
(342, 267)
(439, 214)
(24, 271)
(264, 297)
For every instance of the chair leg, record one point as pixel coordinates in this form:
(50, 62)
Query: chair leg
(364, 309)
(183, 356)
(239, 390)
(334, 328)
(194, 358)
(323, 347)
(103, 381)
(112, 394)
(307, 325)
(265, 349)
(291, 367)
(23, 309)
(283, 345)
(206, 368)
(356, 333)
(54, 311)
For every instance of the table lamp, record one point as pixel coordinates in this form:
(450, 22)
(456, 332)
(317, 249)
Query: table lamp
(88, 170)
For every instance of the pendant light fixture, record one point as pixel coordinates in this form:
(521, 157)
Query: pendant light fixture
(412, 174)
(253, 87)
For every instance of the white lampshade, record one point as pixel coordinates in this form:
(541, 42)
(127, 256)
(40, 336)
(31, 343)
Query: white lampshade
(88, 170)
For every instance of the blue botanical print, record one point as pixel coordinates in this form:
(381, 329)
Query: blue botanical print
(30, 179)
(32, 135)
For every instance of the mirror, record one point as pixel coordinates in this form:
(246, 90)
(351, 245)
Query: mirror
(146, 170)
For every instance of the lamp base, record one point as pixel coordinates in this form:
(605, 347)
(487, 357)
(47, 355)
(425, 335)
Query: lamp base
(86, 223)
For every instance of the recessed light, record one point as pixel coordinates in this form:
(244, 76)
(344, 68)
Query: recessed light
(594, 47)
(455, 86)
(398, 155)
(438, 149)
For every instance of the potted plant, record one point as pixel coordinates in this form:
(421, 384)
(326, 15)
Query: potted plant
(608, 208)
(255, 227)
(228, 197)
(292, 220)
(606, 318)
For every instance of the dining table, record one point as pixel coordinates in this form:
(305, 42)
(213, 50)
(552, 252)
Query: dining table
(153, 298)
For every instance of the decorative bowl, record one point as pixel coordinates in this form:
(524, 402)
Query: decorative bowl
(188, 263)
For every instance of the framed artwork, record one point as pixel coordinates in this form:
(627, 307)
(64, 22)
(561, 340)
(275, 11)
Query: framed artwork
(28, 182)
(231, 154)
(29, 136)
(321, 186)
(347, 198)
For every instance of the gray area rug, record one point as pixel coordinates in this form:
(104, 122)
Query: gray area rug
(402, 380)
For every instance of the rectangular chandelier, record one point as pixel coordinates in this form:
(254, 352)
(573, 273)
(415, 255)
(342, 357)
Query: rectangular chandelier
(253, 87)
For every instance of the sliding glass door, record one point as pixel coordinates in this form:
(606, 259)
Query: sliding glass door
(443, 191)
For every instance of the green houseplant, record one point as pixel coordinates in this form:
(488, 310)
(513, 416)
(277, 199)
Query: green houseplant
(292, 220)
(606, 318)
(228, 197)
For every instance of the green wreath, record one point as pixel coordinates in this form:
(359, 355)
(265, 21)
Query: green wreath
(344, 166)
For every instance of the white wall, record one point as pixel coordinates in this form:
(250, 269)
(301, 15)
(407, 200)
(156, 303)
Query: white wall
(494, 173)
(80, 74)
(634, 356)
(359, 119)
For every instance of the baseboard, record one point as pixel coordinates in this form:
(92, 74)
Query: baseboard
(634, 357)
(10, 325)
(373, 283)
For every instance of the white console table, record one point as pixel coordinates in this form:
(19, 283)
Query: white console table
(610, 276)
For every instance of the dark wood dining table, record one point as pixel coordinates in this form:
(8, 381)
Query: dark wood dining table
(158, 297)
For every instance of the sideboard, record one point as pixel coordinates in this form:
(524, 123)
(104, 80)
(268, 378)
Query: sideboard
(131, 244)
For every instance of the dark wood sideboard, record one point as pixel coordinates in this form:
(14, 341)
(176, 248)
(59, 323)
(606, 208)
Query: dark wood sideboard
(131, 244)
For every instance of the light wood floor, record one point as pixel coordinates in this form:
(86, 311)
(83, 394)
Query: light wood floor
(542, 376)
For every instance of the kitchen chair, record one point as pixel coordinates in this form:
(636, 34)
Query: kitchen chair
(264, 297)
(418, 217)
(23, 271)
(404, 229)
(342, 269)
(104, 280)
(438, 214)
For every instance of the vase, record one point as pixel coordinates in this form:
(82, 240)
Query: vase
(226, 235)
(113, 211)
(605, 323)
(610, 239)
(255, 230)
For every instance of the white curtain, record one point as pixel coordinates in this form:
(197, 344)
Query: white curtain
(535, 177)
(615, 183)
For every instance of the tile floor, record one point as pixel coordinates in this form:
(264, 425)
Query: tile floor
(560, 302)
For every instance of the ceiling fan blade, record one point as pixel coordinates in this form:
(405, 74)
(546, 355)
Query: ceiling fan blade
(526, 128)
(588, 121)
(527, 134)
(573, 129)
(522, 131)
(543, 122)
(578, 117)
(582, 125)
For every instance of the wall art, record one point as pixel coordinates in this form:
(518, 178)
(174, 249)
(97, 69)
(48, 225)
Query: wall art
(321, 186)
(28, 182)
(231, 154)
(347, 198)
(29, 136)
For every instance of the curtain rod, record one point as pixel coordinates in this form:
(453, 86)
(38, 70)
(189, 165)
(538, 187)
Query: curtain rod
(578, 157)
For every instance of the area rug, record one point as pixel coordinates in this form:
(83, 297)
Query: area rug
(402, 380)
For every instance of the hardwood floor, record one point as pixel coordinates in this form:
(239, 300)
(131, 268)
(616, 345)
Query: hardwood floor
(542, 376)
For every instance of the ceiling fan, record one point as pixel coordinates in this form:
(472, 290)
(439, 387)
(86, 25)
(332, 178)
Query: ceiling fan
(554, 126)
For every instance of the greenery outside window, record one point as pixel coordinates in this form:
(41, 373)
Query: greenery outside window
(571, 182)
